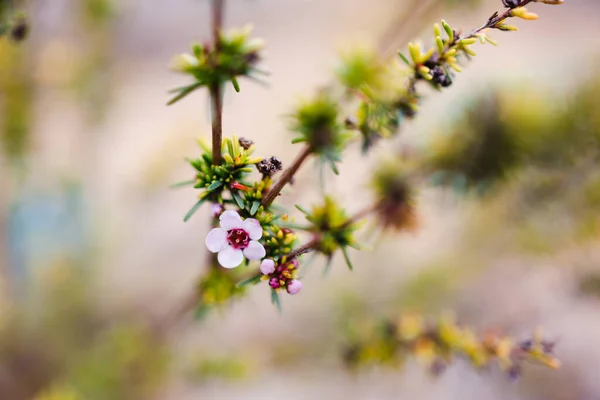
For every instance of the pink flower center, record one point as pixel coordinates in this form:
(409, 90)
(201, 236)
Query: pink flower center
(238, 238)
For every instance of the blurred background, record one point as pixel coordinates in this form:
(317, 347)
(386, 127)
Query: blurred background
(93, 249)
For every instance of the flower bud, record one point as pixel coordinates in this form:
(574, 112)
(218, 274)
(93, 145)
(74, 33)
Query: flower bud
(294, 286)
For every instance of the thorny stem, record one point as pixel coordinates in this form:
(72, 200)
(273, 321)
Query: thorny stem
(286, 177)
(216, 96)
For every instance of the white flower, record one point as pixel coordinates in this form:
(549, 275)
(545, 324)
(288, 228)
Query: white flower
(235, 239)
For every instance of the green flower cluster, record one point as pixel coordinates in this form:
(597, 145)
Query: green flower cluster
(278, 241)
(230, 176)
(438, 344)
(235, 55)
(318, 124)
(13, 23)
(331, 228)
(382, 93)
(216, 289)
(394, 197)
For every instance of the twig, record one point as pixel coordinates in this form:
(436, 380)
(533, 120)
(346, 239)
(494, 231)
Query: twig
(496, 19)
(360, 215)
(305, 248)
(215, 89)
(188, 304)
(286, 177)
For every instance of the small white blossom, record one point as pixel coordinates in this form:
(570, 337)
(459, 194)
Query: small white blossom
(235, 239)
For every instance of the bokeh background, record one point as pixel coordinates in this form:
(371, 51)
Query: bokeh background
(94, 251)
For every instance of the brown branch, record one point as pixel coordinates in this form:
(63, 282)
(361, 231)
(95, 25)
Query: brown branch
(216, 95)
(305, 248)
(360, 215)
(216, 98)
(496, 19)
(286, 177)
(217, 122)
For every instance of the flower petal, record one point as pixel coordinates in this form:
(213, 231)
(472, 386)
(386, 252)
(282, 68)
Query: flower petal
(216, 240)
(253, 228)
(230, 220)
(230, 257)
(254, 251)
(267, 267)
(294, 286)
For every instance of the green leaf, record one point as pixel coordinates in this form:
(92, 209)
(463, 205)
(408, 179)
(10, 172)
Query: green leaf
(327, 269)
(404, 58)
(254, 208)
(334, 167)
(299, 207)
(293, 226)
(275, 300)
(449, 31)
(298, 140)
(201, 312)
(347, 258)
(250, 281)
(235, 84)
(214, 185)
(184, 92)
(230, 147)
(193, 210)
(182, 184)
(238, 200)
(355, 246)
(258, 80)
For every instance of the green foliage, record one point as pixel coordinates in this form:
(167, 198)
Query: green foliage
(480, 150)
(235, 55)
(71, 351)
(330, 224)
(16, 91)
(361, 69)
(217, 289)
(221, 368)
(438, 344)
(13, 21)
(279, 241)
(60, 392)
(317, 123)
(99, 11)
(395, 196)
(123, 355)
(230, 176)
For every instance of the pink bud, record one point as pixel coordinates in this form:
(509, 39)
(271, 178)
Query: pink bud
(217, 210)
(294, 286)
(274, 283)
(267, 266)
